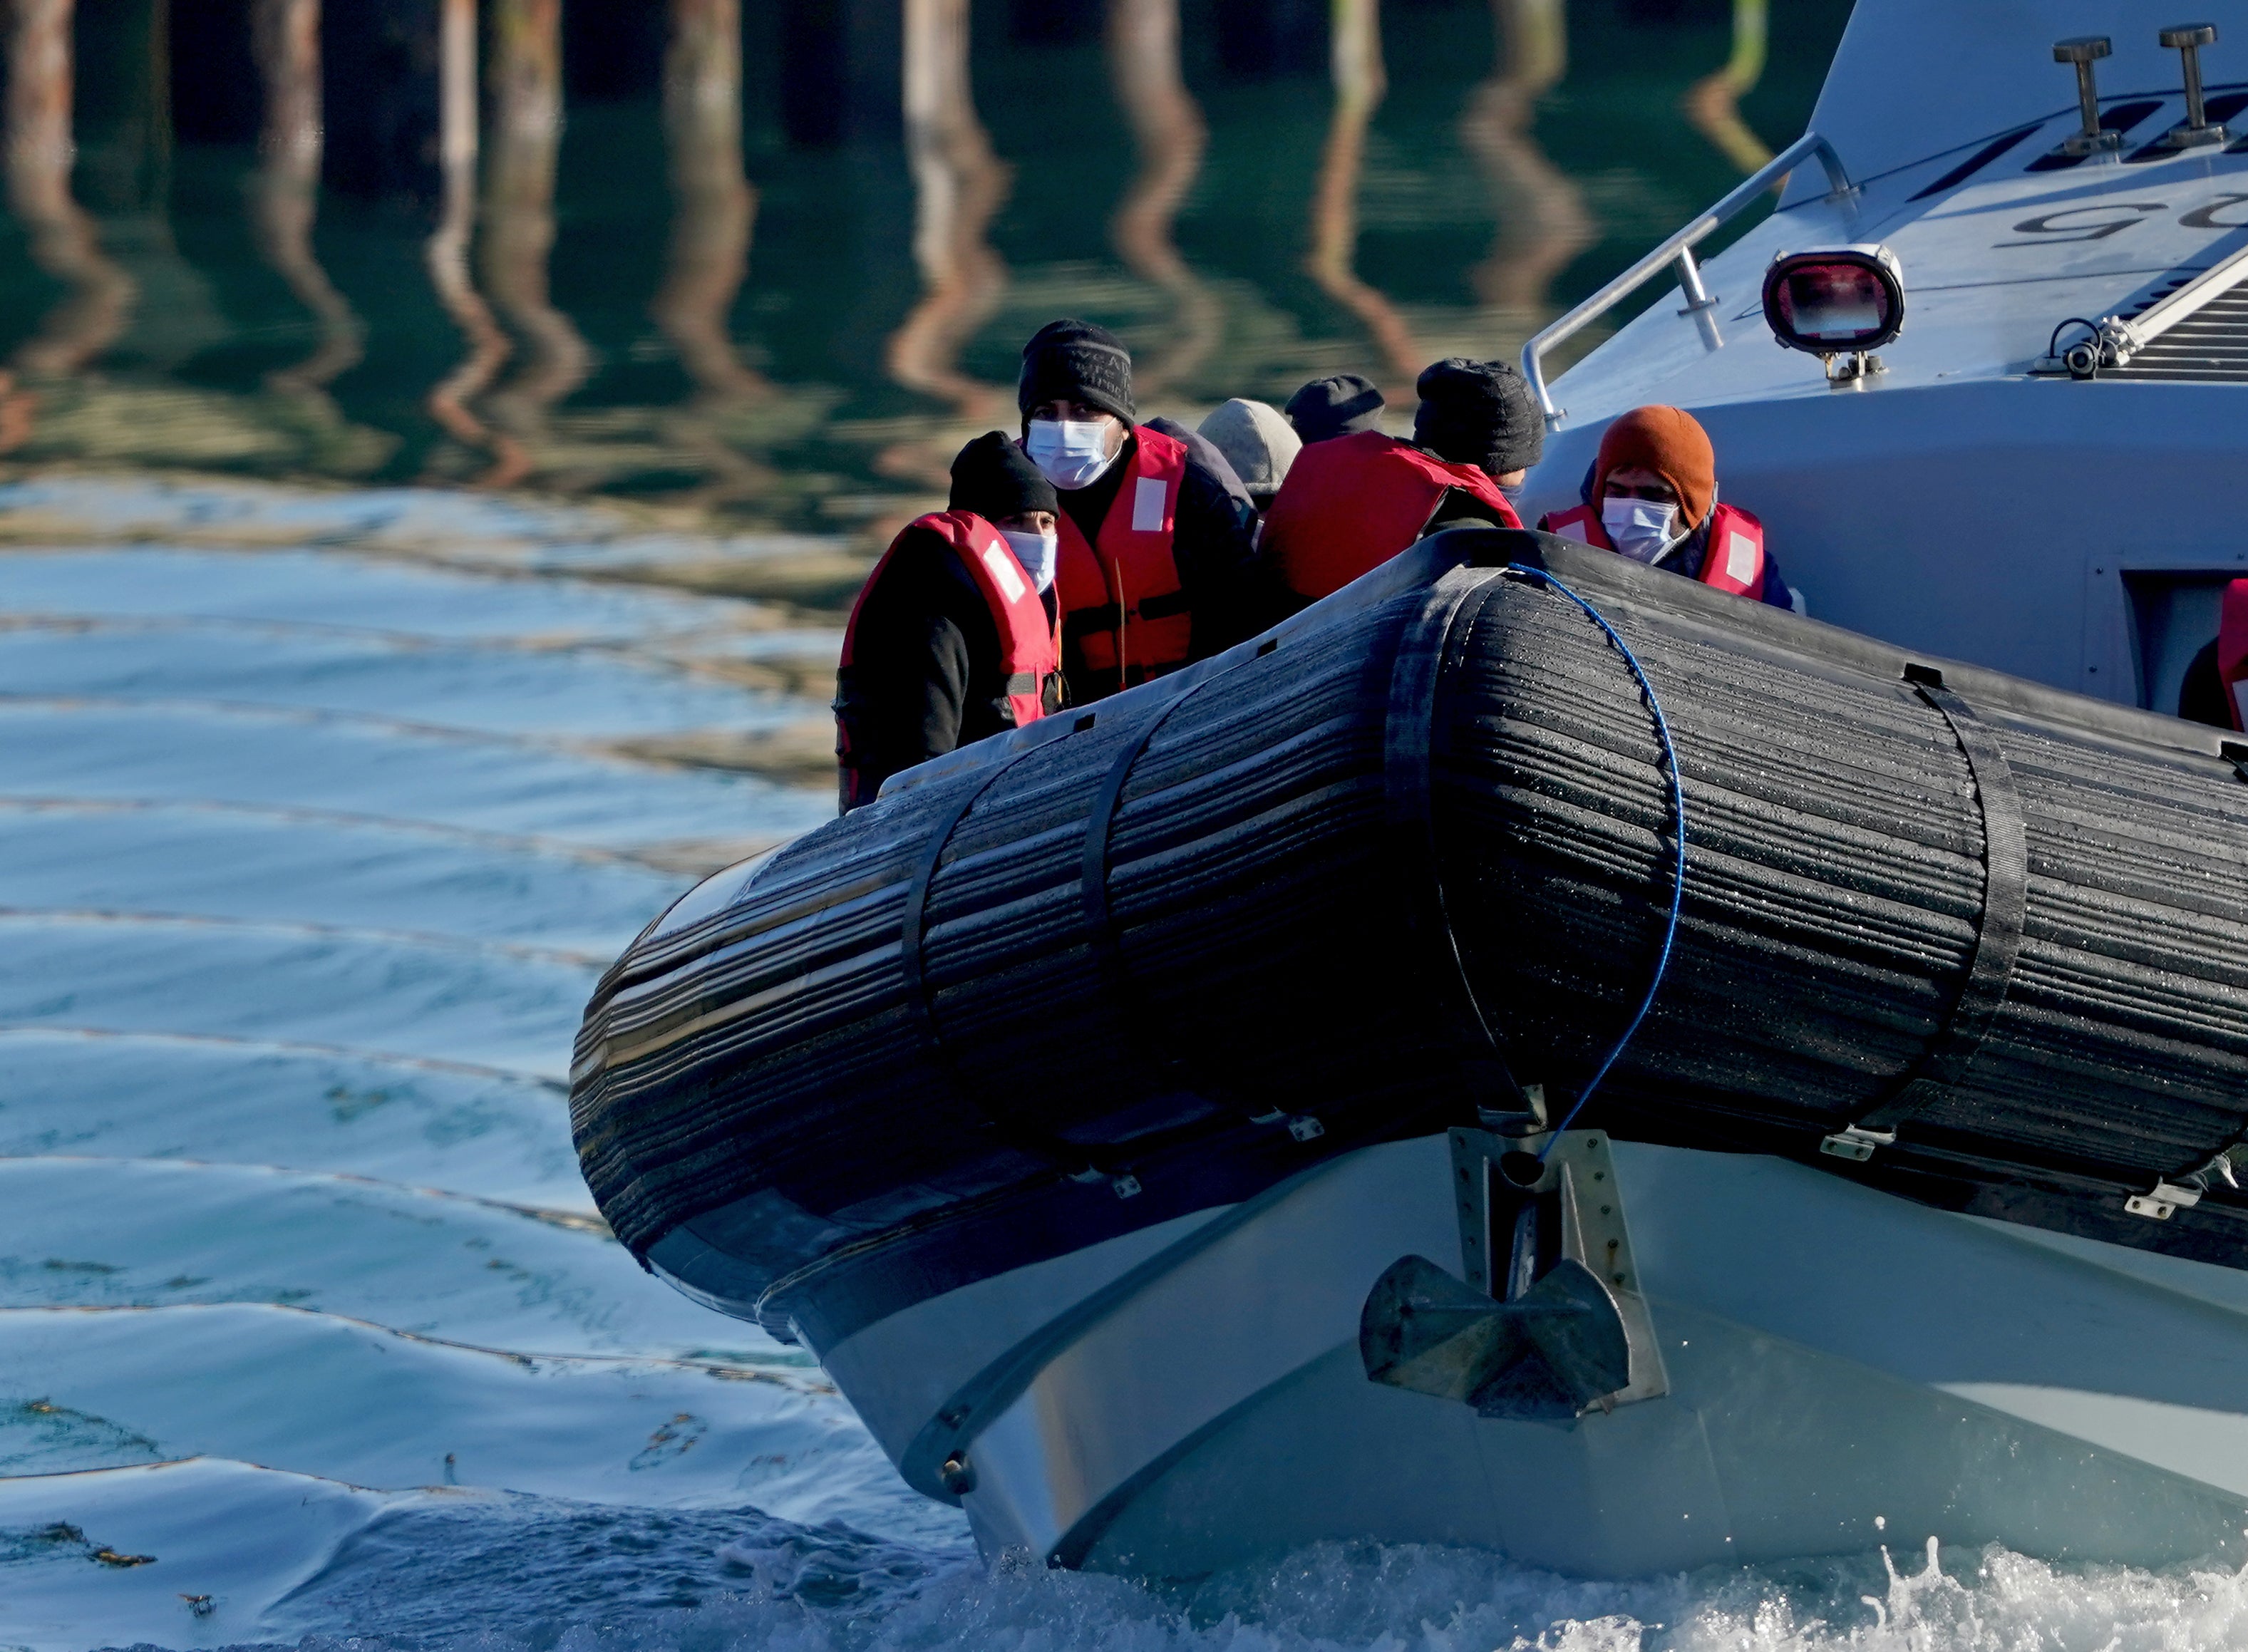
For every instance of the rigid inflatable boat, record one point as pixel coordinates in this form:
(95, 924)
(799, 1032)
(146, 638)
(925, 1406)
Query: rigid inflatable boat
(1534, 1052)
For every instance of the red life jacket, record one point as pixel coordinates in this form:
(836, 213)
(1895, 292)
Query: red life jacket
(2232, 651)
(1732, 556)
(1352, 502)
(1124, 617)
(1030, 650)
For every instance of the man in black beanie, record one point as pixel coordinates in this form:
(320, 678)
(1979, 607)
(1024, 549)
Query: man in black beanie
(1156, 564)
(954, 636)
(1353, 501)
(1342, 404)
(1480, 412)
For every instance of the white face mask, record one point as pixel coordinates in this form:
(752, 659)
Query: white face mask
(1036, 552)
(1640, 528)
(1070, 453)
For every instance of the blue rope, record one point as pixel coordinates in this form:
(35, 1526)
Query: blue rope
(1678, 831)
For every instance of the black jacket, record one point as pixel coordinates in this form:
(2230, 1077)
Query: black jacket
(925, 676)
(1213, 542)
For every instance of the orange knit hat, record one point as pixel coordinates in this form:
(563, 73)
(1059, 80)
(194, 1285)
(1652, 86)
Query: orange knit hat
(1671, 443)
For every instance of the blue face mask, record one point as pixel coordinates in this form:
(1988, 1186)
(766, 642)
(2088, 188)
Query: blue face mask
(1511, 492)
(1036, 552)
(1070, 453)
(1640, 528)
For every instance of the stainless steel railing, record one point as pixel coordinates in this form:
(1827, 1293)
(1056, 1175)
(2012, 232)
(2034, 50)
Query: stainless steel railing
(1679, 251)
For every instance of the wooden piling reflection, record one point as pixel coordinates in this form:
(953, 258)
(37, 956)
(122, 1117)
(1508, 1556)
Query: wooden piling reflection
(959, 185)
(1713, 102)
(40, 153)
(518, 214)
(1542, 221)
(1168, 131)
(713, 206)
(285, 196)
(714, 210)
(446, 253)
(1359, 86)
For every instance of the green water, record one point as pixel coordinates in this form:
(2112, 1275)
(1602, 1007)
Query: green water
(1466, 241)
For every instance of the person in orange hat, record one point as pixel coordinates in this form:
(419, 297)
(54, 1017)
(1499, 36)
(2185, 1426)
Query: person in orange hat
(1652, 496)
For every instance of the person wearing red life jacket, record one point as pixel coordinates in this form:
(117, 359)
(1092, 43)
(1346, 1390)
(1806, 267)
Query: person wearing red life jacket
(954, 636)
(1353, 501)
(1342, 404)
(1652, 496)
(1156, 568)
(2216, 687)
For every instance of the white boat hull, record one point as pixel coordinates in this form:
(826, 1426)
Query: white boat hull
(1845, 1368)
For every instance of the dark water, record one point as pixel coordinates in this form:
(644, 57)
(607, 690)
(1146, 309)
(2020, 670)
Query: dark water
(781, 290)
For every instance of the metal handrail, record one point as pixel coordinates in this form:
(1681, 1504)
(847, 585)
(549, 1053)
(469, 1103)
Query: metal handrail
(2125, 339)
(1679, 250)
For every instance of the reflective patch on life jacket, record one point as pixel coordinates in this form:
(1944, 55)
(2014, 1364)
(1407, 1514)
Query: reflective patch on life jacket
(1149, 495)
(1577, 523)
(1006, 570)
(1733, 560)
(1742, 557)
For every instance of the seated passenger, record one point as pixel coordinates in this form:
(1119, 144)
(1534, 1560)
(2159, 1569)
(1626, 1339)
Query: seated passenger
(2214, 682)
(1652, 496)
(1342, 404)
(1202, 450)
(953, 636)
(1257, 444)
(1155, 569)
(1353, 501)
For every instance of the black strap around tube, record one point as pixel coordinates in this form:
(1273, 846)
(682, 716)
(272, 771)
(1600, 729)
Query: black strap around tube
(911, 925)
(2005, 901)
(1124, 991)
(1408, 757)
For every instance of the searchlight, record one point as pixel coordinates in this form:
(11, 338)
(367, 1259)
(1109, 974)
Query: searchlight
(1840, 304)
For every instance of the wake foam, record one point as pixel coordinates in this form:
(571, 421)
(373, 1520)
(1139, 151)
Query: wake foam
(540, 1577)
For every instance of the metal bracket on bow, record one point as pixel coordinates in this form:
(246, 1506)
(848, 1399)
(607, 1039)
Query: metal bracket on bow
(1857, 1142)
(1565, 1332)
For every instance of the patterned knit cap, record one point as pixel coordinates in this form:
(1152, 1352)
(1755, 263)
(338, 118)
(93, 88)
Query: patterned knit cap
(1078, 361)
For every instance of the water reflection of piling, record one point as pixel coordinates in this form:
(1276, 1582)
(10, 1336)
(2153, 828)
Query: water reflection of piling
(518, 214)
(285, 37)
(959, 186)
(712, 205)
(1168, 129)
(1542, 221)
(1713, 102)
(93, 313)
(1359, 84)
(448, 249)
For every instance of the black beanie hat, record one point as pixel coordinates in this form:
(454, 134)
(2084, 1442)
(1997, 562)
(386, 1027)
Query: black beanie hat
(1478, 413)
(1081, 361)
(996, 479)
(1342, 404)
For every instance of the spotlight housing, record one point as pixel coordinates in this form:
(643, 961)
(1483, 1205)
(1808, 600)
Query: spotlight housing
(1836, 301)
